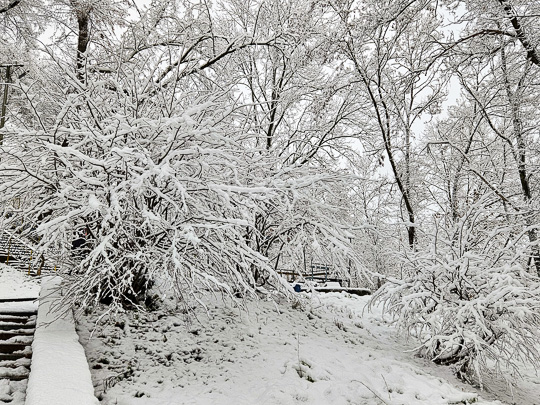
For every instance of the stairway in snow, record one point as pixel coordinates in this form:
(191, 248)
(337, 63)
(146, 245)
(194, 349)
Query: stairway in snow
(17, 327)
(20, 254)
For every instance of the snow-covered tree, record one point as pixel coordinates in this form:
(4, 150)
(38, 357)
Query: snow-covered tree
(142, 172)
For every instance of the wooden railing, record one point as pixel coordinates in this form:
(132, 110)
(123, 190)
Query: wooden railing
(17, 252)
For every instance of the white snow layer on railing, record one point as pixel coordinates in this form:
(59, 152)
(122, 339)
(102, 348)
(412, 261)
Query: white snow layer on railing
(60, 373)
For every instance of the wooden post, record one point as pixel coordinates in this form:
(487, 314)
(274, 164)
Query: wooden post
(305, 265)
(30, 262)
(41, 264)
(9, 249)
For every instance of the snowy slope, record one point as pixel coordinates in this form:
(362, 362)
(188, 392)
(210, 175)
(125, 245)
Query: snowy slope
(328, 352)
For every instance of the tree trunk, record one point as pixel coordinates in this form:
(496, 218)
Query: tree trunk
(83, 39)
(521, 35)
(4, 102)
(521, 158)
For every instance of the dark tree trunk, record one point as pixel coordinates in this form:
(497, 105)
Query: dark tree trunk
(83, 39)
(520, 155)
(521, 35)
(11, 5)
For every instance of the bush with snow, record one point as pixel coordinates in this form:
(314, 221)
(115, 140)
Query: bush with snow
(152, 196)
(469, 299)
(122, 192)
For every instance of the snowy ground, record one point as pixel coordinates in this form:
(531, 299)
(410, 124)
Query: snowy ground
(15, 283)
(328, 352)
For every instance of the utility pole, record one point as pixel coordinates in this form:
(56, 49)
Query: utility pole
(8, 67)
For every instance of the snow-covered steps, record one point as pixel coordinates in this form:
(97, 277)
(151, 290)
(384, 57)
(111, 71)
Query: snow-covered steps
(18, 299)
(8, 347)
(4, 313)
(14, 335)
(17, 328)
(14, 317)
(18, 314)
(14, 373)
(14, 356)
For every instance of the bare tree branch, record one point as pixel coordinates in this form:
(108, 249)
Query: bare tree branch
(11, 5)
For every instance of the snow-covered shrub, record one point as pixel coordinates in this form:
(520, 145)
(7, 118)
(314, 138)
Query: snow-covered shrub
(148, 197)
(123, 192)
(147, 163)
(469, 299)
